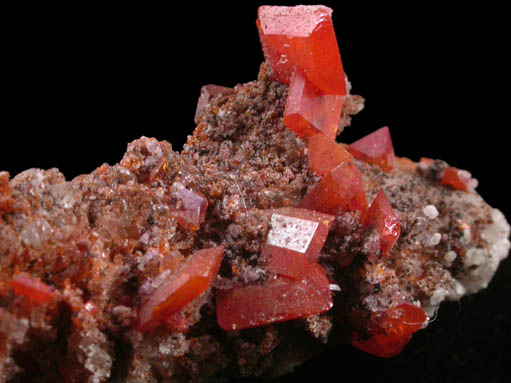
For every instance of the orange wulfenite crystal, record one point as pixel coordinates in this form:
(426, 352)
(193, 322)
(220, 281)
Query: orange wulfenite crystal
(36, 291)
(375, 148)
(391, 330)
(180, 288)
(381, 216)
(276, 300)
(302, 36)
(458, 179)
(325, 154)
(309, 110)
(340, 190)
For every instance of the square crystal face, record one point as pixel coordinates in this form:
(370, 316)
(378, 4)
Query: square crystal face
(291, 233)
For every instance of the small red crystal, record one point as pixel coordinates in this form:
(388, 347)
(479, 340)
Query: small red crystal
(191, 207)
(302, 36)
(391, 330)
(381, 216)
(180, 288)
(338, 191)
(375, 148)
(309, 110)
(36, 291)
(325, 154)
(276, 300)
(458, 179)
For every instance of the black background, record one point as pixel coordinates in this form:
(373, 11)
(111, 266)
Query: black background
(78, 84)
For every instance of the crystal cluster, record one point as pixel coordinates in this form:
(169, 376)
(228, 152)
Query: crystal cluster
(300, 45)
(238, 255)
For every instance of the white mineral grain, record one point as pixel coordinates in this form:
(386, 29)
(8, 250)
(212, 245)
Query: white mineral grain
(430, 211)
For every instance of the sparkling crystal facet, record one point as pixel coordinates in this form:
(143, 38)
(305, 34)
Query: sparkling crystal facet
(375, 148)
(191, 207)
(295, 240)
(276, 300)
(180, 288)
(302, 36)
(340, 190)
(381, 216)
(391, 330)
(36, 291)
(309, 110)
(325, 154)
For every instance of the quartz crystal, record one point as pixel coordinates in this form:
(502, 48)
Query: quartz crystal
(191, 206)
(309, 110)
(375, 148)
(180, 288)
(206, 93)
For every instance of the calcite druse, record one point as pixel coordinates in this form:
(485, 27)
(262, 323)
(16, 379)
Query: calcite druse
(238, 255)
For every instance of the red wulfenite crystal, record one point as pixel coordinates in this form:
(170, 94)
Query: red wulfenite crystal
(180, 288)
(299, 230)
(206, 93)
(276, 300)
(325, 154)
(309, 110)
(375, 148)
(391, 330)
(381, 216)
(295, 240)
(191, 207)
(340, 190)
(458, 179)
(302, 36)
(36, 291)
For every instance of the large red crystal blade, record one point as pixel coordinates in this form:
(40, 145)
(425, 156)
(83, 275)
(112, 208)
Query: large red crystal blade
(36, 291)
(286, 263)
(191, 207)
(325, 154)
(277, 300)
(340, 190)
(375, 148)
(302, 36)
(381, 216)
(186, 284)
(309, 110)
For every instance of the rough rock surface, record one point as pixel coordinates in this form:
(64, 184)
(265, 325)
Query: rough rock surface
(102, 239)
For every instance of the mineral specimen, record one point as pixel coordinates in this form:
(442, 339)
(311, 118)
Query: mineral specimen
(238, 255)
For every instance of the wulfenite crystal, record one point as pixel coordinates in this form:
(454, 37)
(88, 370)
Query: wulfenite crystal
(180, 288)
(302, 36)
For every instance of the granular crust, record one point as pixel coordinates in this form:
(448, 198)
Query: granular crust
(103, 240)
